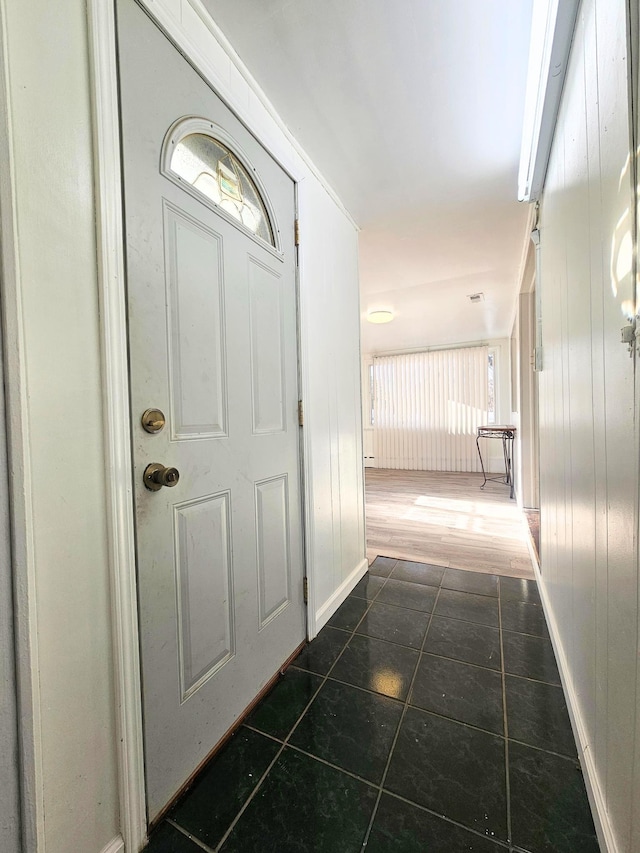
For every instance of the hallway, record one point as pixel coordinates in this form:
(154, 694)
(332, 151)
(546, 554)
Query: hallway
(426, 716)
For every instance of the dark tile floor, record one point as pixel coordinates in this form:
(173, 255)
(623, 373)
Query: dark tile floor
(426, 717)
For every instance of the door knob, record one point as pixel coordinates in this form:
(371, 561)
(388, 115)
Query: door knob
(156, 476)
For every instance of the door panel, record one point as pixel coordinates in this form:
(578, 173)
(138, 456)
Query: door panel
(213, 345)
(195, 296)
(204, 589)
(274, 564)
(268, 399)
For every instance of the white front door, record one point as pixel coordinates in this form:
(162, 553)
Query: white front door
(212, 317)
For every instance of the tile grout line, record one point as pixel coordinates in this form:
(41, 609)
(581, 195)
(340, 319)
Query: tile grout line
(324, 761)
(418, 707)
(373, 785)
(534, 680)
(504, 844)
(400, 722)
(285, 742)
(392, 642)
(249, 798)
(446, 657)
(498, 598)
(505, 723)
(189, 835)
(429, 711)
(452, 618)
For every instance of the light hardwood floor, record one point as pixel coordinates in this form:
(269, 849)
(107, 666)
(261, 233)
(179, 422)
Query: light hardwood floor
(446, 519)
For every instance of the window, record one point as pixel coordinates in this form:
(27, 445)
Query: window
(212, 169)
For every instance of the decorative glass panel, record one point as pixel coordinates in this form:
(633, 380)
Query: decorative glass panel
(214, 171)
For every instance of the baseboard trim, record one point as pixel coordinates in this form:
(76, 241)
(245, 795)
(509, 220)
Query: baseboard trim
(116, 845)
(331, 604)
(604, 830)
(533, 554)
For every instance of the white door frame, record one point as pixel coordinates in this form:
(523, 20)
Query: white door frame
(119, 468)
(10, 830)
(19, 484)
(180, 20)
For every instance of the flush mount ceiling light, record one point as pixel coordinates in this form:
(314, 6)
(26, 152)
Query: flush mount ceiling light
(380, 316)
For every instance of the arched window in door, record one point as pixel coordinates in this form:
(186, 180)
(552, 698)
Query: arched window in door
(195, 156)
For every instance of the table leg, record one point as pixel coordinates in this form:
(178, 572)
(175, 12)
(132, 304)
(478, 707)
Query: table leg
(484, 474)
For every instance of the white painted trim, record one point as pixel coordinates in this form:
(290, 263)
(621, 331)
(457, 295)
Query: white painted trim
(116, 845)
(633, 12)
(601, 820)
(532, 214)
(532, 553)
(305, 454)
(118, 472)
(331, 604)
(308, 528)
(23, 545)
(362, 520)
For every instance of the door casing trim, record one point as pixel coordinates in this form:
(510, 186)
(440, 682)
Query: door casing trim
(20, 492)
(118, 460)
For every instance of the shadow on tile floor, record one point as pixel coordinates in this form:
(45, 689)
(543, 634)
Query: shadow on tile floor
(426, 716)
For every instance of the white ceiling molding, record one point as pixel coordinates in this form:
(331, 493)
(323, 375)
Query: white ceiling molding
(551, 36)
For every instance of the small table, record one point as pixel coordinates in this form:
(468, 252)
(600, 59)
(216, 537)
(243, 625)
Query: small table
(506, 433)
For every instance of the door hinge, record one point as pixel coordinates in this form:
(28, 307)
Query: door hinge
(296, 232)
(300, 414)
(537, 359)
(628, 336)
(305, 590)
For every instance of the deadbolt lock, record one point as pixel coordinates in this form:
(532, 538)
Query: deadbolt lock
(153, 420)
(156, 476)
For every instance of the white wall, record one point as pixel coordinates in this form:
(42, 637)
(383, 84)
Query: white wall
(333, 426)
(53, 316)
(588, 439)
(54, 335)
(524, 395)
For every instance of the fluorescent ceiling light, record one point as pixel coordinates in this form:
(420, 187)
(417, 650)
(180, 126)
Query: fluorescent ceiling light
(552, 29)
(380, 316)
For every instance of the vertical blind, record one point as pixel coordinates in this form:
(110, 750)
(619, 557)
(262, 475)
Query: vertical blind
(427, 407)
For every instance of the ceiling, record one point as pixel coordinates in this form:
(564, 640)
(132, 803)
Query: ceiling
(412, 110)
